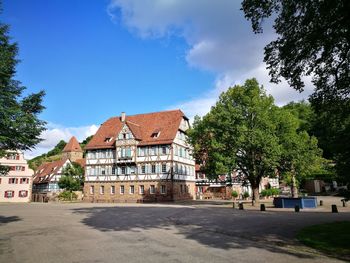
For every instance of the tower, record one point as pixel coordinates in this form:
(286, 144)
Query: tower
(72, 150)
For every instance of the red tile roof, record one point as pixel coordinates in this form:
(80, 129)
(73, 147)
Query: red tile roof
(47, 169)
(142, 126)
(80, 161)
(72, 146)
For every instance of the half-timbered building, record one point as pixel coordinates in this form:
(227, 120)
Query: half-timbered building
(139, 158)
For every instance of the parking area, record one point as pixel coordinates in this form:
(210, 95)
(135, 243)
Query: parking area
(193, 232)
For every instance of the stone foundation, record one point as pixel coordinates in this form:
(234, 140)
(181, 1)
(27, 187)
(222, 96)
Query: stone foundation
(172, 191)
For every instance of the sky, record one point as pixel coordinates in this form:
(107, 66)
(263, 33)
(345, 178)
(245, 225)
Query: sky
(98, 58)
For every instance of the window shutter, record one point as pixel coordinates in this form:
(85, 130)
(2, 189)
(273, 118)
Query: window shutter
(5, 195)
(23, 168)
(12, 168)
(9, 180)
(17, 156)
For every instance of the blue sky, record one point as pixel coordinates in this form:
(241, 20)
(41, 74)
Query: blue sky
(97, 58)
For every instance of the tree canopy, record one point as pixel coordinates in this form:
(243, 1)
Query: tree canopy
(72, 178)
(246, 132)
(20, 126)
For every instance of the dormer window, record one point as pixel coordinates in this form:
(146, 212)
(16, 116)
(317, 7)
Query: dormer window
(155, 134)
(108, 139)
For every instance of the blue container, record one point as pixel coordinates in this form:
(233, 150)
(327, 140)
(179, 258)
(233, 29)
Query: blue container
(289, 202)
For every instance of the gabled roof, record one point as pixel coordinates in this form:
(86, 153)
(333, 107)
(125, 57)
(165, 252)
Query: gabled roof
(142, 126)
(72, 146)
(81, 162)
(47, 170)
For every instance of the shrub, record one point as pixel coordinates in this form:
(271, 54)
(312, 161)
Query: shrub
(67, 196)
(245, 194)
(275, 191)
(234, 194)
(264, 193)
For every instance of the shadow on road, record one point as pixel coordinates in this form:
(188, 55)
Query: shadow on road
(214, 227)
(8, 219)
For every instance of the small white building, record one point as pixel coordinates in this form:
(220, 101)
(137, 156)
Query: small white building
(16, 185)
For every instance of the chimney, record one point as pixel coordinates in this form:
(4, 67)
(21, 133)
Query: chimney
(122, 118)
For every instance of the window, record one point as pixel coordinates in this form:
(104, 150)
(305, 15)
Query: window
(113, 169)
(162, 189)
(152, 189)
(155, 134)
(122, 189)
(102, 190)
(112, 189)
(132, 189)
(143, 169)
(9, 194)
(23, 193)
(142, 189)
(13, 180)
(123, 170)
(164, 149)
(153, 168)
(24, 180)
(108, 139)
(181, 188)
(103, 170)
(163, 168)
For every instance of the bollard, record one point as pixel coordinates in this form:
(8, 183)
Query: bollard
(321, 202)
(334, 209)
(233, 205)
(344, 202)
(297, 208)
(262, 207)
(240, 205)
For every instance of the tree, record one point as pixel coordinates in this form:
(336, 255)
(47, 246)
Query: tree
(313, 40)
(72, 178)
(300, 155)
(20, 127)
(243, 126)
(207, 149)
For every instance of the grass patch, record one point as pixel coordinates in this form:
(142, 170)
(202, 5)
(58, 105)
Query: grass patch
(331, 238)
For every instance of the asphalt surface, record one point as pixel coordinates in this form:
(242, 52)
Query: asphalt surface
(154, 233)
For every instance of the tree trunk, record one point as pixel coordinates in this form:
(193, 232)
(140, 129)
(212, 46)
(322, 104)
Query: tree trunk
(294, 187)
(255, 197)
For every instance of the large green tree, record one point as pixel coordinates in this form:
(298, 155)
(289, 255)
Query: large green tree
(242, 123)
(247, 132)
(20, 127)
(300, 156)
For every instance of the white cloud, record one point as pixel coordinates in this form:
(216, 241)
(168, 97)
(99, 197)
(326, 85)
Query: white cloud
(220, 40)
(55, 133)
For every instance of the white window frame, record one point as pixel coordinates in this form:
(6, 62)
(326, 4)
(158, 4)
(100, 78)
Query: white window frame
(131, 189)
(122, 189)
(152, 189)
(102, 189)
(163, 189)
(112, 189)
(142, 189)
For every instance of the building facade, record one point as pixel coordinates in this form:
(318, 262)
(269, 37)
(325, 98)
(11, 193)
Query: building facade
(47, 176)
(16, 185)
(140, 158)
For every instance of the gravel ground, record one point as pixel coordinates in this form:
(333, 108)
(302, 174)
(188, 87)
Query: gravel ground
(193, 232)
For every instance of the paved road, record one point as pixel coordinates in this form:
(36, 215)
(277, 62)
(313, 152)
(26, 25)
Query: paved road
(153, 233)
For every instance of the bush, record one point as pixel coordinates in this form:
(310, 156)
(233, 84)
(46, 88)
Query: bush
(67, 196)
(264, 193)
(275, 191)
(245, 194)
(234, 194)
